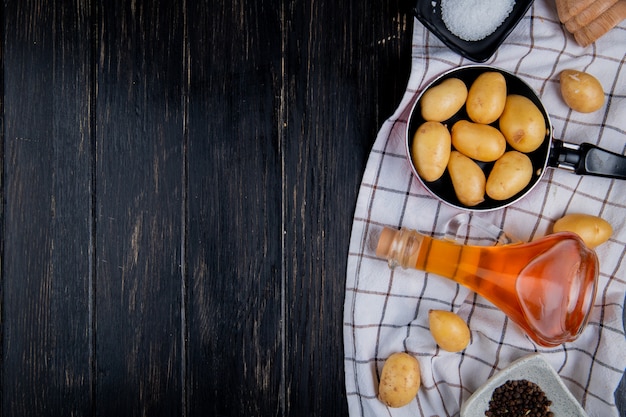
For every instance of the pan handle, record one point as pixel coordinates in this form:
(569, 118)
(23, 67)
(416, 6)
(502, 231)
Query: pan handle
(587, 159)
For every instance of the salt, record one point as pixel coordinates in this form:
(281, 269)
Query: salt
(473, 20)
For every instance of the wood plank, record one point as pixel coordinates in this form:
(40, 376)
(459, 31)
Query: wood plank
(139, 207)
(235, 327)
(252, 323)
(295, 106)
(344, 77)
(46, 273)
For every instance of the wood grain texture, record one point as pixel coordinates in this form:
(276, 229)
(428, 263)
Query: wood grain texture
(234, 225)
(329, 128)
(139, 206)
(197, 154)
(47, 153)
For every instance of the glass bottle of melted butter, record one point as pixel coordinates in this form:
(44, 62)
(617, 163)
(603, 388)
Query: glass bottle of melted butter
(547, 286)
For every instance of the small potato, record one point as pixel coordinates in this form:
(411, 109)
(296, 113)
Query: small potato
(449, 330)
(478, 141)
(522, 124)
(486, 97)
(510, 175)
(399, 380)
(468, 179)
(430, 150)
(581, 91)
(443, 100)
(592, 230)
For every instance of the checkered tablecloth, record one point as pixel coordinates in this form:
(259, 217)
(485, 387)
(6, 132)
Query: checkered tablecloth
(386, 311)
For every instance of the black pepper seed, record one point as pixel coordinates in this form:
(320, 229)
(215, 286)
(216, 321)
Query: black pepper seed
(519, 398)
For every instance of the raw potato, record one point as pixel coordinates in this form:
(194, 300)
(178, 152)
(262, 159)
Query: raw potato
(468, 179)
(486, 97)
(581, 91)
(442, 101)
(510, 175)
(522, 124)
(449, 330)
(399, 380)
(478, 141)
(592, 230)
(430, 150)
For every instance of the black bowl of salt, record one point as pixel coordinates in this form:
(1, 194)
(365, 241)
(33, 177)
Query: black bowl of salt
(474, 29)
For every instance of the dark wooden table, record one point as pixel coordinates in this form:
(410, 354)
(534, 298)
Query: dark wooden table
(178, 185)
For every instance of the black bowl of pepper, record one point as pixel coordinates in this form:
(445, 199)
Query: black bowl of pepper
(529, 386)
(474, 29)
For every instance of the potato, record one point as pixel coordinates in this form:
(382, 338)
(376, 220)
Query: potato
(449, 330)
(581, 91)
(478, 141)
(486, 97)
(509, 175)
(430, 150)
(399, 380)
(592, 230)
(443, 100)
(468, 179)
(522, 124)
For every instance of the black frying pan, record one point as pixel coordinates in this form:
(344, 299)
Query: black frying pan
(584, 159)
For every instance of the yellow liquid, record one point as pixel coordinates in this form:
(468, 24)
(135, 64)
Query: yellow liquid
(547, 286)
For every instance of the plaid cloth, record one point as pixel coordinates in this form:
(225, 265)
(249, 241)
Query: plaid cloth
(387, 311)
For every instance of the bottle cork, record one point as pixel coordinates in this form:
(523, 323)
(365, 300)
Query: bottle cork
(385, 239)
